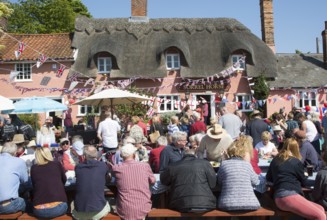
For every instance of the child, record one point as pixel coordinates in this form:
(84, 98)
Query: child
(265, 147)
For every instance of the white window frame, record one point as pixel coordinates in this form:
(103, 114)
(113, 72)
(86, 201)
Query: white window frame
(107, 65)
(243, 108)
(169, 106)
(307, 98)
(23, 76)
(237, 57)
(86, 111)
(175, 58)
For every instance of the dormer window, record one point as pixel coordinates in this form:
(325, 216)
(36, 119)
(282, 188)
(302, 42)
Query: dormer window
(104, 65)
(173, 61)
(235, 59)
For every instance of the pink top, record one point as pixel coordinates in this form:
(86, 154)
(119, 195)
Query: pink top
(133, 181)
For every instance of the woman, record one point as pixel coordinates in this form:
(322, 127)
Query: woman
(48, 179)
(236, 179)
(156, 125)
(286, 172)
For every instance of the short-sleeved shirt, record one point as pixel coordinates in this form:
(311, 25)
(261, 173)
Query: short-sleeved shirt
(109, 129)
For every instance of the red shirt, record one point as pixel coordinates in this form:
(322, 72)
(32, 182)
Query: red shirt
(154, 158)
(254, 161)
(197, 126)
(144, 127)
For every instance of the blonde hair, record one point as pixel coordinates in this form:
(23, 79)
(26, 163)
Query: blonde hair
(290, 149)
(174, 119)
(240, 147)
(135, 119)
(265, 136)
(43, 155)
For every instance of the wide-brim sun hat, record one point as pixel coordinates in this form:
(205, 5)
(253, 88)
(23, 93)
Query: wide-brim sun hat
(32, 143)
(216, 132)
(256, 112)
(18, 138)
(276, 128)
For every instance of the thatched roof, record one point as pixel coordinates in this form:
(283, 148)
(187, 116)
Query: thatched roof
(300, 70)
(206, 43)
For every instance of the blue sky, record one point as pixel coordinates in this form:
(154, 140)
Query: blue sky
(297, 22)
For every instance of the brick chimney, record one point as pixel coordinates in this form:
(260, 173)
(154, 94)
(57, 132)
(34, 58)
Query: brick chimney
(267, 23)
(139, 11)
(324, 44)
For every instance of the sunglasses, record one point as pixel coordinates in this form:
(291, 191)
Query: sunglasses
(65, 143)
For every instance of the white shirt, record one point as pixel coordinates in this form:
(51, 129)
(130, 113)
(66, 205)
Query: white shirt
(312, 133)
(265, 149)
(109, 129)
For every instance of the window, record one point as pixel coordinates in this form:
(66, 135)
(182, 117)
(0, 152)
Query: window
(25, 70)
(169, 103)
(85, 109)
(235, 59)
(172, 61)
(104, 64)
(243, 101)
(307, 98)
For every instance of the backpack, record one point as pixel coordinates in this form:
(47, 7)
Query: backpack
(27, 131)
(8, 132)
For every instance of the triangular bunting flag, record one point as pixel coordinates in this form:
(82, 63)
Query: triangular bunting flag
(72, 85)
(13, 74)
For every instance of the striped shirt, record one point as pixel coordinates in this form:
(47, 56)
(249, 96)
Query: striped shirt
(134, 196)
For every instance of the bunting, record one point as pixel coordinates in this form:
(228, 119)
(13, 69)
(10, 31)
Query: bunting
(41, 60)
(21, 48)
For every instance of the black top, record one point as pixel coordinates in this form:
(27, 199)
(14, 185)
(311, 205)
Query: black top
(90, 184)
(157, 127)
(191, 181)
(48, 183)
(286, 175)
(169, 155)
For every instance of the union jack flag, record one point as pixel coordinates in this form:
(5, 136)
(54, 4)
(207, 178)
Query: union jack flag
(21, 48)
(41, 60)
(60, 70)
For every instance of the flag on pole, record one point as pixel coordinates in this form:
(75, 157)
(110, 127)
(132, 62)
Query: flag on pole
(60, 71)
(21, 48)
(41, 60)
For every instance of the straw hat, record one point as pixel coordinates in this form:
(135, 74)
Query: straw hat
(256, 112)
(276, 128)
(18, 138)
(32, 143)
(216, 132)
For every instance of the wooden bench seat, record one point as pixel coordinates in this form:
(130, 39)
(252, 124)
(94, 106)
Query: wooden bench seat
(27, 216)
(164, 213)
(11, 216)
(111, 216)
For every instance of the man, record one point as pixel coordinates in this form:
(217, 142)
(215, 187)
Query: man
(230, 122)
(205, 110)
(107, 133)
(214, 144)
(256, 126)
(198, 126)
(77, 148)
(20, 143)
(154, 157)
(132, 180)
(8, 130)
(191, 181)
(291, 124)
(13, 173)
(174, 151)
(310, 131)
(307, 151)
(91, 178)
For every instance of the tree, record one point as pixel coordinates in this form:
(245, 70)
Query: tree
(45, 16)
(261, 91)
(5, 12)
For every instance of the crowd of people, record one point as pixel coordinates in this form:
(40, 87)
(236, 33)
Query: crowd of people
(204, 163)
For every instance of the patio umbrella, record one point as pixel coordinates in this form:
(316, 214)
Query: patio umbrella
(37, 105)
(112, 97)
(6, 105)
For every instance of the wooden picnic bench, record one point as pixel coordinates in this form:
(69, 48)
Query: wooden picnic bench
(11, 216)
(263, 213)
(28, 216)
